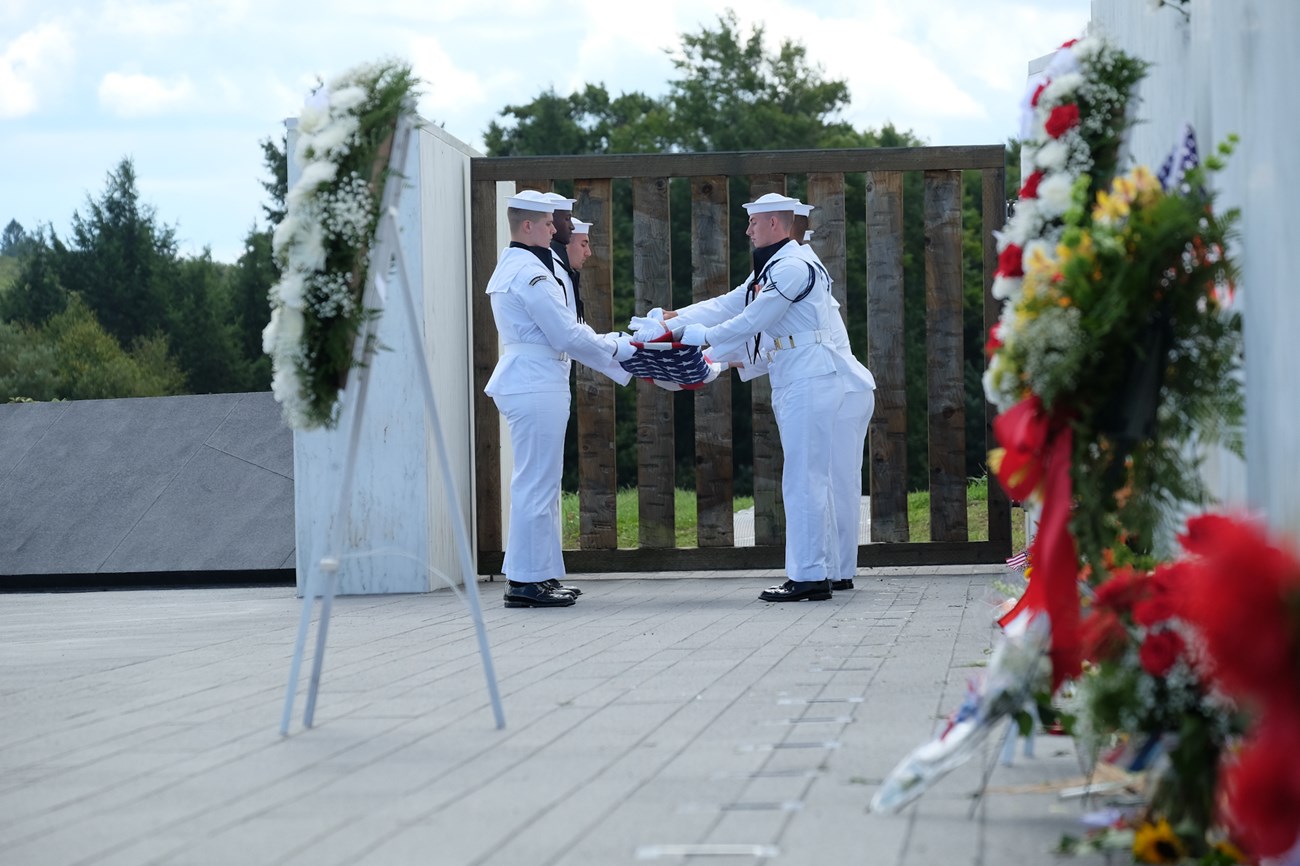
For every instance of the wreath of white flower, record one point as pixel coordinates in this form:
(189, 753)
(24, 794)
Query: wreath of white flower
(322, 244)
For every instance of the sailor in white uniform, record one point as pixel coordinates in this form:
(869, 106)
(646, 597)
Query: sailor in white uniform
(850, 435)
(784, 316)
(536, 317)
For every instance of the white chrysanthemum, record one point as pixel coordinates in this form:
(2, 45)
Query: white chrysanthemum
(1055, 193)
(291, 288)
(1086, 49)
(1005, 288)
(1026, 224)
(312, 119)
(1052, 156)
(347, 98)
(285, 232)
(270, 334)
(1061, 89)
(308, 251)
(332, 139)
(313, 175)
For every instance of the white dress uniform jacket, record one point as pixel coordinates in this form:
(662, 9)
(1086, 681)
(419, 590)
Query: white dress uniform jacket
(794, 312)
(540, 331)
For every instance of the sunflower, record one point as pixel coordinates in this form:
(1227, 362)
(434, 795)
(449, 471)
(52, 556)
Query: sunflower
(1158, 843)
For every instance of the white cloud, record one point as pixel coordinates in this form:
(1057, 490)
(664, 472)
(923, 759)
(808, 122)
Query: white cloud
(136, 95)
(36, 61)
(149, 20)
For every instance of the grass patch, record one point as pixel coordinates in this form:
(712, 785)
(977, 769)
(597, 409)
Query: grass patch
(918, 516)
(629, 513)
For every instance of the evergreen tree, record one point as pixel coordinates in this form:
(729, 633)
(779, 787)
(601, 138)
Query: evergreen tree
(122, 260)
(37, 293)
(14, 240)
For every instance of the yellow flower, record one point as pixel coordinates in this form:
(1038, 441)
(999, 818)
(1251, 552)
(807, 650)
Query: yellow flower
(1110, 209)
(1039, 262)
(1158, 843)
(1228, 849)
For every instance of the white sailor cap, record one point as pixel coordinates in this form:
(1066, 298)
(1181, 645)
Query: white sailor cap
(770, 203)
(531, 199)
(801, 209)
(561, 203)
(580, 227)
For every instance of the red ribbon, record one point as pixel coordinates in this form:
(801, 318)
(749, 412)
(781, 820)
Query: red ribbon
(1038, 451)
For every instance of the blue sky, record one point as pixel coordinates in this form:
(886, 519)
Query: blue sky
(187, 88)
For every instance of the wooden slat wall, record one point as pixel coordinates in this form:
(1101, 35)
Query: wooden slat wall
(710, 256)
(946, 410)
(652, 281)
(597, 479)
(826, 191)
(769, 505)
(487, 424)
(994, 210)
(710, 212)
(888, 430)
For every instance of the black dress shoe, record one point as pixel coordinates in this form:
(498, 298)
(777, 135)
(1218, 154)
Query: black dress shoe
(847, 583)
(536, 595)
(806, 590)
(556, 586)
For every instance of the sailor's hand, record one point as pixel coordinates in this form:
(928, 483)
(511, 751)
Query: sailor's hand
(694, 335)
(623, 348)
(646, 329)
(715, 369)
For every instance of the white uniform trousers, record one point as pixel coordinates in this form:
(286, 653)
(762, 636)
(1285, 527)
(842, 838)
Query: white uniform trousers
(533, 545)
(805, 413)
(850, 438)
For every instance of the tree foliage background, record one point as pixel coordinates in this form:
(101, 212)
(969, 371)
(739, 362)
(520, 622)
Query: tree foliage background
(112, 309)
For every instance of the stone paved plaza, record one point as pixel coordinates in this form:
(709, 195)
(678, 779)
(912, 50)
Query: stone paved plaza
(661, 720)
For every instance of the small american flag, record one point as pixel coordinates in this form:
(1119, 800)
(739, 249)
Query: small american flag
(1181, 159)
(1019, 561)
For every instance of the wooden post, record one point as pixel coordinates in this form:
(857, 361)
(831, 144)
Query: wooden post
(995, 214)
(888, 430)
(597, 476)
(710, 255)
(487, 425)
(944, 356)
(826, 191)
(652, 282)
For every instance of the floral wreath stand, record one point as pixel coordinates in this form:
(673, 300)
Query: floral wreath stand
(323, 582)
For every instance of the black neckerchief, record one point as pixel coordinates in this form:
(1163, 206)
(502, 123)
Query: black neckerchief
(762, 255)
(561, 252)
(543, 254)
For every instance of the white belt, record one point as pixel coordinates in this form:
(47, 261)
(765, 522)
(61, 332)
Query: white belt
(533, 349)
(795, 341)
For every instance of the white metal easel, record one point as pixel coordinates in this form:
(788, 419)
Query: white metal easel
(387, 247)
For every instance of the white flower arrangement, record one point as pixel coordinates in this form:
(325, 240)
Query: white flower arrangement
(322, 244)
(1072, 116)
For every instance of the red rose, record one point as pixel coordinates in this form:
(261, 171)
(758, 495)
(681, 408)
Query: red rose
(1062, 119)
(1038, 91)
(1010, 262)
(1235, 593)
(994, 342)
(1124, 588)
(1159, 652)
(1155, 609)
(1102, 636)
(1260, 790)
(1030, 189)
(1068, 44)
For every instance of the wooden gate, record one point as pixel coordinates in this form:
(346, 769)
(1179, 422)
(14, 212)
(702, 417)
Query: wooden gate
(709, 176)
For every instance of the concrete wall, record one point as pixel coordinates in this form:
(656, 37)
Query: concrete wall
(1233, 67)
(400, 531)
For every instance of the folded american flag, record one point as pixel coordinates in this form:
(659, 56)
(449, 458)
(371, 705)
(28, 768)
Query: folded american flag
(669, 362)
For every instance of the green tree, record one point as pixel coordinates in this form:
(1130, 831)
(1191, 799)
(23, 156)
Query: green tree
(122, 259)
(251, 280)
(13, 241)
(37, 293)
(201, 328)
(74, 358)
